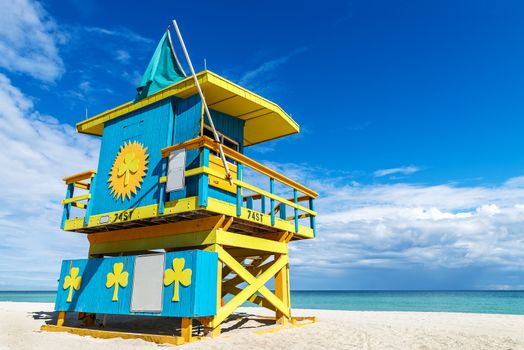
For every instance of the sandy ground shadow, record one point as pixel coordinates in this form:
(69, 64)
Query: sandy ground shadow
(152, 324)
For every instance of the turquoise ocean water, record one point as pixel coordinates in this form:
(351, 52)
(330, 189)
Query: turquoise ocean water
(497, 302)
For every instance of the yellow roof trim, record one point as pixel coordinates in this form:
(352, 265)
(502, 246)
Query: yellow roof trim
(264, 120)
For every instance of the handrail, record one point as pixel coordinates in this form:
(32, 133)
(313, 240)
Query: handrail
(299, 199)
(243, 184)
(82, 185)
(205, 141)
(256, 196)
(253, 196)
(79, 177)
(301, 216)
(76, 199)
(188, 145)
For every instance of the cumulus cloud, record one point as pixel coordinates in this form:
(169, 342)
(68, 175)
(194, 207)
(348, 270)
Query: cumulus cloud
(29, 40)
(401, 225)
(37, 152)
(405, 170)
(395, 226)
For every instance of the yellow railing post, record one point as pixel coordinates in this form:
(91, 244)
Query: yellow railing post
(312, 221)
(239, 189)
(67, 206)
(272, 201)
(295, 197)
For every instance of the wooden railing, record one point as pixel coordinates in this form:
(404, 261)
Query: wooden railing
(81, 201)
(277, 204)
(269, 202)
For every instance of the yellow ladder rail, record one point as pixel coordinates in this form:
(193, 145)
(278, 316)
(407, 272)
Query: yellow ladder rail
(77, 198)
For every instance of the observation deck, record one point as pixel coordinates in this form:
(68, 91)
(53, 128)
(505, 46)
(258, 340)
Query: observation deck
(256, 210)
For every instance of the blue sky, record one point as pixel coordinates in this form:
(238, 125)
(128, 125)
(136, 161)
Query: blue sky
(410, 114)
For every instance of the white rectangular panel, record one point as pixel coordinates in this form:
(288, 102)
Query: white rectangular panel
(176, 168)
(148, 283)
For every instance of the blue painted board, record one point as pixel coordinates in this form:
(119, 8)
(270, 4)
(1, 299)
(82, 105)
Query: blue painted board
(188, 116)
(148, 126)
(196, 299)
(228, 125)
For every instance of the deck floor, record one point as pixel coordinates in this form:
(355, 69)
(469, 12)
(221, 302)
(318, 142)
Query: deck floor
(239, 225)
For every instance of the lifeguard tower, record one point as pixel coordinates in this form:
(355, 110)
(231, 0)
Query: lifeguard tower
(170, 233)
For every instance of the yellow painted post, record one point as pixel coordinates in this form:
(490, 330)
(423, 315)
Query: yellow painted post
(282, 292)
(215, 332)
(187, 329)
(288, 287)
(61, 318)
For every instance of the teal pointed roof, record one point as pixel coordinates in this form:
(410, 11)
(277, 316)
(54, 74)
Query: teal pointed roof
(163, 69)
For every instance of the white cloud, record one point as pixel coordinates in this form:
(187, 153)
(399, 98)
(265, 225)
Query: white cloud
(405, 170)
(29, 40)
(120, 32)
(122, 56)
(403, 225)
(260, 74)
(37, 152)
(85, 87)
(133, 78)
(515, 182)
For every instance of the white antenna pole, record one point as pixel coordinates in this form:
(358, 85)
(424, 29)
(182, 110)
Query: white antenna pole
(205, 64)
(197, 84)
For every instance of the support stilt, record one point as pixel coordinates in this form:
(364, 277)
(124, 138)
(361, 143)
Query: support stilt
(87, 318)
(61, 318)
(209, 331)
(281, 291)
(187, 329)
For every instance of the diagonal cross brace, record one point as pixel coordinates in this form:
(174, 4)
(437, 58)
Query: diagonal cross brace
(254, 285)
(255, 270)
(255, 299)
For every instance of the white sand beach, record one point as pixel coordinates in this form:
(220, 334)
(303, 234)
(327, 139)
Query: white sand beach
(20, 324)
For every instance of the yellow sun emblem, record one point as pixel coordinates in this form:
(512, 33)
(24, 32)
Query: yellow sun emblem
(128, 170)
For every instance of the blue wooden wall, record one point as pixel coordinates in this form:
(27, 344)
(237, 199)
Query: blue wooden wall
(187, 127)
(229, 126)
(195, 300)
(148, 126)
(170, 121)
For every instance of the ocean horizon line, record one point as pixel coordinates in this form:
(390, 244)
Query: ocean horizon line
(464, 301)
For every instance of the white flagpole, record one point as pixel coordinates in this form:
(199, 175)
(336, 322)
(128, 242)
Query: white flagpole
(173, 50)
(197, 84)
